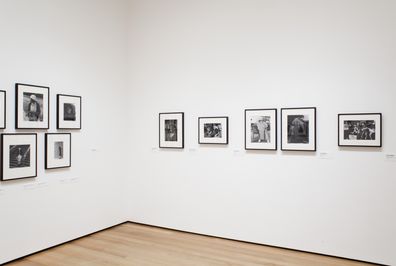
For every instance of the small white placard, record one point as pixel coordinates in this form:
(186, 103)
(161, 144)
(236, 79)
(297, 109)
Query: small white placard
(324, 155)
(390, 157)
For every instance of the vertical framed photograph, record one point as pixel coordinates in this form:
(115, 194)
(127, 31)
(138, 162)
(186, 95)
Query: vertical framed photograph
(3, 103)
(213, 130)
(68, 110)
(360, 130)
(57, 150)
(32, 107)
(260, 129)
(171, 130)
(298, 129)
(18, 156)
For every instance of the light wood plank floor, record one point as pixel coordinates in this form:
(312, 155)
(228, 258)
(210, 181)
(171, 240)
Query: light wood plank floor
(133, 244)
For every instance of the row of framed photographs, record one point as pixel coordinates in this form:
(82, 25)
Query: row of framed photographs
(32, 108)
(298, 129)
(19, 154)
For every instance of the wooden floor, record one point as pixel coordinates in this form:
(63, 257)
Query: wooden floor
(133, 244)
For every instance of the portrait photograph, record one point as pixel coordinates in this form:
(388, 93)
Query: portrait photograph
(69, 113)
(213, 130)
(57, 150)
(32, 106)
(260, 129)
(171, 130)
(3, 104)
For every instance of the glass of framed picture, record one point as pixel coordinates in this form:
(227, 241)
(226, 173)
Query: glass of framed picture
(213, 130)
(298, 129)
(360, 129)
(32, 106)
(18, 156)
(57, 150)
(3, 103)
(68, 111)
(260, 129)
(171, 130)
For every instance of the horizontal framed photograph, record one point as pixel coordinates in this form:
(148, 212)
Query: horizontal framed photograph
(171, 130)
(18, 156)
(32, 106)
(3, 104)
(213, 130)
(298, 129)
(68, 109)
(57, 150)
(260, 129)
(360, 130)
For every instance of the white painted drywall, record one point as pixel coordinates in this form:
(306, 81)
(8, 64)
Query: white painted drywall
(218, 57)
(75, 47)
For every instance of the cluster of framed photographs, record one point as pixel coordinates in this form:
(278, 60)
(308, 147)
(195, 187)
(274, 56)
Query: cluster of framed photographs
(18, 151)
(298, 129)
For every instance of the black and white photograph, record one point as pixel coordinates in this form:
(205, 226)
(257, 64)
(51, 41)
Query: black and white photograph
(32, 106)
(3, 103)
(69, 114)
(213, 130)
(298, 129)
(360, 129)
(260, 129)
(18, 156)
(171, 130)
(57, 150)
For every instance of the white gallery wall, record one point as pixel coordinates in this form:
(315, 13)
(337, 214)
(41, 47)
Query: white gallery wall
(219, 57)
(79, 48)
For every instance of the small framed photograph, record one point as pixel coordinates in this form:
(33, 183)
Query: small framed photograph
(213, 130)
(68, 112)
(57, 150)
(18, 156)
(260, 129)
(298, 129)
(32, 106)
(3, 103)
(171, 130)
(360, 130)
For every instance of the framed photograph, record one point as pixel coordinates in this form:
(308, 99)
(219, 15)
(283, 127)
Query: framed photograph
(57, 150)
(32, 107)
(18, 156)
(260, 129)
(213, 130)
(68, 110)
(171, 130)
(3, 103)
(298, 129)
(360, 130)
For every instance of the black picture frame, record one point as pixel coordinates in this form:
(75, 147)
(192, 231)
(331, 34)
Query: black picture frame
(223, 142)
(47, 146)
(59, 113)
(4, 109)
(367, 143)
(2, 178)
(273, 128)
(162, 143)
(298, 147)
(18, 122)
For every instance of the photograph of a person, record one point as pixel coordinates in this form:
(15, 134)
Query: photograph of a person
(171, 130)
(57, 150)
(32, 106)
(69, 112)
(19, 156)
(359, 129)
(260, 129)
(298, 129)
(213, 130)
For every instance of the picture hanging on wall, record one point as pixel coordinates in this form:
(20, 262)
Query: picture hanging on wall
(260, 129)
(68, 112)
(298, 129)
(3, 103)
(213, 130)
(32, 107)
(171, 130)
(57, 150)
(360, 130)
(18, 156)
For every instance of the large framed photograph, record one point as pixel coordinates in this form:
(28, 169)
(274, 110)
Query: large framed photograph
(171, 130)
(3, 103)
(57, 150)
(18, 156)
(360, 130)
(298, 129)
(68, 111)
(213, 130)
(260, 129)
(32, 106)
